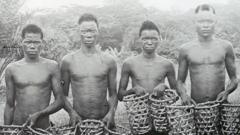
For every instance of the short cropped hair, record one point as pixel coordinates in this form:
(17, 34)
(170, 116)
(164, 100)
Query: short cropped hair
(32, 28)
(87, 17)
(204, 7)
(148, 25)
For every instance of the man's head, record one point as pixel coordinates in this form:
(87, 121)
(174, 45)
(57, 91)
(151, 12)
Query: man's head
(205, 20)
(88, 25)
(149, 36)
(32, 36)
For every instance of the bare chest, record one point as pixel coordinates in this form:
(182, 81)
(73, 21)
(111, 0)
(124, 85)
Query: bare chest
(212, 56)
(83, 69)
(149, 71)
(31, 76)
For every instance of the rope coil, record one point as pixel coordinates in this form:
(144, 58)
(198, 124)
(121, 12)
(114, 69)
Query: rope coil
(158, 109)
(138, 113)
(207, 118)
(181, 120)
(230, 119)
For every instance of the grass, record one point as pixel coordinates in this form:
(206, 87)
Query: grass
(62, 118)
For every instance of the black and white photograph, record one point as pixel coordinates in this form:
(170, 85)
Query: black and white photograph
(119, 67)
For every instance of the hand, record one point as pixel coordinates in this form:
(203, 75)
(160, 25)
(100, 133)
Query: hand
(222, 96)
(138, 90)
(32, 119)
(74, 118)
(187, 100)
(159, 89)
(108, 120)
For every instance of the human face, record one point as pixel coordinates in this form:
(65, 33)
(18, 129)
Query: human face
(205, 23)
(150, 40)
(32, 43)
(89, 33)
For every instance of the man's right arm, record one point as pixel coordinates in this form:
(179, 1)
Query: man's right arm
(10, 94)
(182, 75)
(65, 81)
(125, 74)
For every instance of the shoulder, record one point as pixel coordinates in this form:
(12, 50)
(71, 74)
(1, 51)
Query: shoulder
(12, 66)
(68, 58)
(187, 46)
(226, 44)
(110, 60)
(52, 64)
(130, 60)
(166, 62)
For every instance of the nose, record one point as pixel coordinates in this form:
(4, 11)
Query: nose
(149, 42)
(32, 46)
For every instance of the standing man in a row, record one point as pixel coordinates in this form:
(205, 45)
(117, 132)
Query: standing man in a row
(92, 75)
(30, 82)
(206, 58)
(147, 70)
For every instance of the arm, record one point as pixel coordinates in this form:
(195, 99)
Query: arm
(171, 76)
(112, 84)
(112, 87)
(182, 73)
(125, 74)
(65, 81)
(231, 70)
(10, 93)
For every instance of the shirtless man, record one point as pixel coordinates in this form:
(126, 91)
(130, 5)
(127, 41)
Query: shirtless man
(30, 82)
(206, 58)
(147, 70)
(92, 75)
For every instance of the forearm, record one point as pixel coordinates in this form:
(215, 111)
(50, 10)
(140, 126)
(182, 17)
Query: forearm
(181, 89)
(8, 115)
(67, 106)
(113, 101)
(231, 86)
(123, 93)
(52, 108)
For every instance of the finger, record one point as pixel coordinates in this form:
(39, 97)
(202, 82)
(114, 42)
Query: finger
(193, 102)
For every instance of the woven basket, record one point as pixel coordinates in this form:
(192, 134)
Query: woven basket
(181, 120)
(62, 130)
(158, 109)
(138, 113)
(90, 127)
(20, 130)
(207, 118)
(230, 119)
(120, 130)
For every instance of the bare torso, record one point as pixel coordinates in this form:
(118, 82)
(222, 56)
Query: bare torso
(207, 70)
(148, 73)
(33, 90)
(89, 83)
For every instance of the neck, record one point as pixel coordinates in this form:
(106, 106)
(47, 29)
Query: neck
(32, 60)
(88, 50)
(149, 55)
(205, 39)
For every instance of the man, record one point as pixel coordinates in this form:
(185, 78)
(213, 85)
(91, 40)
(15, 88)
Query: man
(206, 58)
(92, 74)
(147, 70)
(30, 82)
